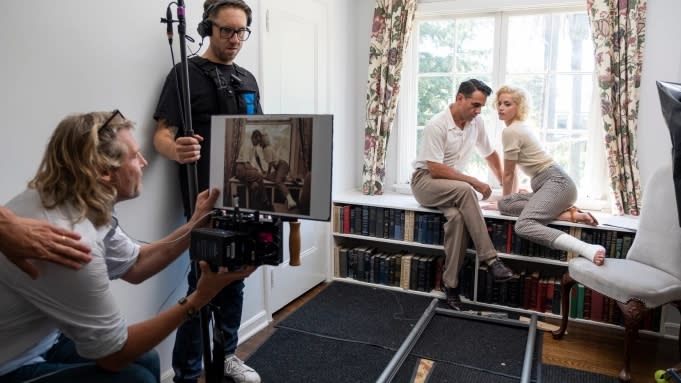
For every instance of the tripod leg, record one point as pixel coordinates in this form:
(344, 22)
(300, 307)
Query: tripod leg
(218, 346)
(210, 373)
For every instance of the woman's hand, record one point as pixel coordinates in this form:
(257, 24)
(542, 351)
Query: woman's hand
(490, 206)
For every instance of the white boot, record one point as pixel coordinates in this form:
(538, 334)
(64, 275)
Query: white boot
(569, 243)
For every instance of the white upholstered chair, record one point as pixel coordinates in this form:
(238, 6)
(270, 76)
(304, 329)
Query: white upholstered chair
(649, 277)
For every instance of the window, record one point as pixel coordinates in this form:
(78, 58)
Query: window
(549, 53)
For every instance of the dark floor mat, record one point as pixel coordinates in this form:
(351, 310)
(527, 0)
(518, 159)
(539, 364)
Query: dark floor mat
(357, 312)
(474, 343)
(350, 333)
(291, 356)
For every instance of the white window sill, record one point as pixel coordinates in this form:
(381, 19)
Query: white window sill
(583, 203)
(402, 188)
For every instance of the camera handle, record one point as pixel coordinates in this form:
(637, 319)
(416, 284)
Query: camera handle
(294, 243)
(293, 240)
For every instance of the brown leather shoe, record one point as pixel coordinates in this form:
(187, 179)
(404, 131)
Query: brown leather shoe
(500, 272)
(453, 298)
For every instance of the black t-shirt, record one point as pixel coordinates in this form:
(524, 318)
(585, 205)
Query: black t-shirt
(214, 89)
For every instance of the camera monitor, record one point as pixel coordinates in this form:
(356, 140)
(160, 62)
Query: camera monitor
(276, 164)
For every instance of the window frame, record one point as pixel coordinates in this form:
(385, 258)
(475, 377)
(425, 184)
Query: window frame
(598, 194)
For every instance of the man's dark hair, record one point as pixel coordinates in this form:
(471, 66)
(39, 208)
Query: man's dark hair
(469, 86)
(210, 8)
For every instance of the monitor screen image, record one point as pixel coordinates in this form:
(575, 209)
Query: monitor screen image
(277, 164)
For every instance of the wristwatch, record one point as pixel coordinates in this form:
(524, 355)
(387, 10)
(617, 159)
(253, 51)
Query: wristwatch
(191, 311)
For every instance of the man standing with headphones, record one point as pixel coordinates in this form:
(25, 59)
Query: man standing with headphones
(217, 86)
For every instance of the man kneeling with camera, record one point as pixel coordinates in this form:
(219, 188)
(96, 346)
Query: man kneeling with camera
(65, 326)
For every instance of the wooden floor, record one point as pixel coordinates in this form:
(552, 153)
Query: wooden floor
(584, 347)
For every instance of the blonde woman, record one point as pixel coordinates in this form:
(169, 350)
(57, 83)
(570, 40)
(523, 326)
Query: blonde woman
(553, 191)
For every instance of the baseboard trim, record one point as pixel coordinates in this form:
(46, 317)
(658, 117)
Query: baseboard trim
(253, 326)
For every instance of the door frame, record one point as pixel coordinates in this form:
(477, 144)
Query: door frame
(284, 283)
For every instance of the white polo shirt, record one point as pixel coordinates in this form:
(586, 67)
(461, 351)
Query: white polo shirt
(445, 143)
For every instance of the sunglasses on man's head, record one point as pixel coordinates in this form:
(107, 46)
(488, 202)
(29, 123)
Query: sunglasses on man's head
(108, 120)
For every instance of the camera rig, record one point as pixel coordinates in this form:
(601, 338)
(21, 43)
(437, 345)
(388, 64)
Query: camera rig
(236, 239)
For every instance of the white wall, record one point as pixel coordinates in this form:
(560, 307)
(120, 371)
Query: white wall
(662, 62)
(350, 33)
(351, 156)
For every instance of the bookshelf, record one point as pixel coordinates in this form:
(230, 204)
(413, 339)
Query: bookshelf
(393, 242)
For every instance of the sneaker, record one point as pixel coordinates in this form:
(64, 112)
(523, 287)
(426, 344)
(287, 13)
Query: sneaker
(500, 272)
(236, 369)
(452, 297)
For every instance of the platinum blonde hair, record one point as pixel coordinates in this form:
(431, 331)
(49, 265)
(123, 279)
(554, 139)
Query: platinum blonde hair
(519, 97)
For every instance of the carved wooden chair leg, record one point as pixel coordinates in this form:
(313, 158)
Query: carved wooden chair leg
(632, 313)
(567, 284)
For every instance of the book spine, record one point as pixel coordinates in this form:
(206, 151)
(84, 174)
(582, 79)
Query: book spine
(405, 271)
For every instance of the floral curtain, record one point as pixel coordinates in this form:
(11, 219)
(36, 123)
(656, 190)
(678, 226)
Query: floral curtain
(618, 28)
(392, 24)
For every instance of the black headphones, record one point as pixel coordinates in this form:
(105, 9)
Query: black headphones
(205, 27)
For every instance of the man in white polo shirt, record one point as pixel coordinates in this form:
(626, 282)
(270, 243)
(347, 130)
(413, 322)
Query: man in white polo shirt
(438, 181)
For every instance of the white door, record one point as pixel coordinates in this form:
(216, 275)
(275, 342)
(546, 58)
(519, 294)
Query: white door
(295, 80)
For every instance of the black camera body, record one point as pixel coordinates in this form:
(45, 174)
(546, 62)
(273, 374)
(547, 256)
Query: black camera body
(236, 240)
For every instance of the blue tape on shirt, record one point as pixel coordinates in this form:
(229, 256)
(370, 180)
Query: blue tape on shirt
(249, 101)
